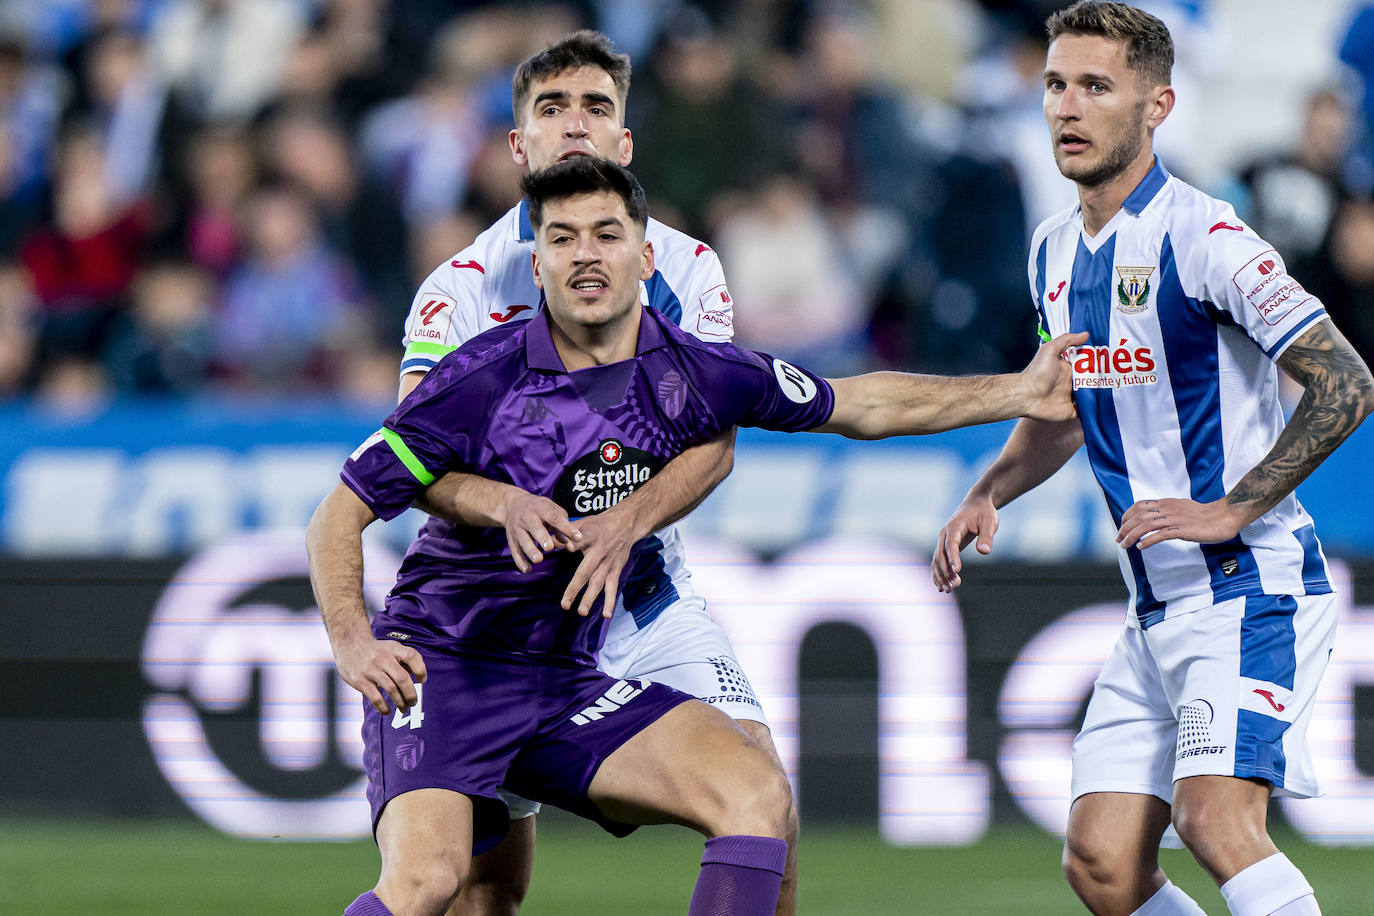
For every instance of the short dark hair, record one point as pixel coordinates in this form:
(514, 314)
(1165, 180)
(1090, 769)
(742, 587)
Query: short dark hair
(583, 48)
(1149, 46)
(584, 175)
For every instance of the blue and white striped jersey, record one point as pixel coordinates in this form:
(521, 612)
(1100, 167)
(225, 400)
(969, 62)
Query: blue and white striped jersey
(491, 282)
(1177, 390)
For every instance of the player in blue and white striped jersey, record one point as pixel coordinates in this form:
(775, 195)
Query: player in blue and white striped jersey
(1201, 711)
(569, 101)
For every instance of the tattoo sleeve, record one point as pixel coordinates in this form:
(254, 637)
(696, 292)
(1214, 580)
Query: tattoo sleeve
(1339, 393)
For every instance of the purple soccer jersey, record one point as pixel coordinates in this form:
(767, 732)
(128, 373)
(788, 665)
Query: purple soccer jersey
(504, 407)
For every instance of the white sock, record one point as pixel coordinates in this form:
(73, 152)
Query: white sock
(1270, 886)
(1170, 900)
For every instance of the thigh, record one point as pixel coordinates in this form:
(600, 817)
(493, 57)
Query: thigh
(586, 718)
(422, 833)
(1243, 676)
(1129, 732)
(686, 649)
(1118, 830)
(468, 725)
(682, 769)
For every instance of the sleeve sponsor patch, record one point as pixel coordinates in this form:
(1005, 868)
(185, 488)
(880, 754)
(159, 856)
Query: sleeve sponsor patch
(716, 319)
(795, 384)
(367, 444)
(1266, 285)
(431, 321)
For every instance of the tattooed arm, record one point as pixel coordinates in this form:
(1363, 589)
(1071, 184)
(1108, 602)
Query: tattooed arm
(1339, 395)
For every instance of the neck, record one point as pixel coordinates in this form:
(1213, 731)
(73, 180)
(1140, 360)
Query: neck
(582, 347)
(1100, 203)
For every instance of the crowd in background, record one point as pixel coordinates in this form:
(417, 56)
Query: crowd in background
(241, 196)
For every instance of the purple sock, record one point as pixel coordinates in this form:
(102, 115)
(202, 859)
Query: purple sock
(740, 876)
(367, 905)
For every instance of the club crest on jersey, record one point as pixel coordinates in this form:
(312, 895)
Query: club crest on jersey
(671, 393)
(1133, 290)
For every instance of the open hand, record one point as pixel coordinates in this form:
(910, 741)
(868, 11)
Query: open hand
(975, 518)
(1150, 521)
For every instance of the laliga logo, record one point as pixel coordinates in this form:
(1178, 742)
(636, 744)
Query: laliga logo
(215, 649)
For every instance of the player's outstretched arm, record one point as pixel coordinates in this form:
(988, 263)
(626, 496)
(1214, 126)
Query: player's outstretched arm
(1034, 451)
(381, 670)
(883, 404)
(607, 538)
(1338, 394)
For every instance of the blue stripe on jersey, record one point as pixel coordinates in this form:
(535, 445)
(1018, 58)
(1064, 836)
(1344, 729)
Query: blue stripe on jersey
(1149, 186)
(526, 229)
(1041, 259)
(648, 589)
(1190, 352)
(1297, 329)
(1267, 653)
(662, 297)
(1091, 282)
(1314, 580)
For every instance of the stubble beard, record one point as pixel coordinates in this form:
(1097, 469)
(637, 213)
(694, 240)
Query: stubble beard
(1118, 158)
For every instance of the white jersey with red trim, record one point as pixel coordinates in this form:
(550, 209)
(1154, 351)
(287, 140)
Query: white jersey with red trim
(1177, 390)
(492, 281)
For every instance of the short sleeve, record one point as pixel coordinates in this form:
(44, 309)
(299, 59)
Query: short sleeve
(444, 313)
(708, 312)
(1243, 276)
(428, 435)
(746, 388)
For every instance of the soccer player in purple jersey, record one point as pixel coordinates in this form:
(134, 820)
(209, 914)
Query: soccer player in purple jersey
(492, 682)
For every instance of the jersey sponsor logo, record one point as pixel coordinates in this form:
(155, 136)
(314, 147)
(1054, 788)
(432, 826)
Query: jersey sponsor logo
(1116, 367)
(1216, 226)
(672, 392)
(1054, 296)
(599, 480)
(713, 322)
(795, 384)
(1133, 289)
(471, 265)
(1195, 730)
(1268, 288)
(620, 693)
(510, 312)
(432, 319)
(367, 444)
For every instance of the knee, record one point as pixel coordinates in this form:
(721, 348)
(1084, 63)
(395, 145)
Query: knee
(1104, 879)
(759, 804)
(429, 885)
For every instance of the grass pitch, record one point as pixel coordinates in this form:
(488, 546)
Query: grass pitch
(181, 867)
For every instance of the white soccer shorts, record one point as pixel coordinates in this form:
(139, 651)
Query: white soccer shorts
(684, 648)
(1227, 690)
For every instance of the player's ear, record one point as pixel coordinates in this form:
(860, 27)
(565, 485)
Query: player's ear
(647, 268)
(1162, 103)
(627, 147)
(517, 147)
(534, 265)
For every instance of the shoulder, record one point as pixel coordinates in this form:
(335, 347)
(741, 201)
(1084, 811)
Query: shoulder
(1050, 226)
(676, 253)
(1205, 233)
(490, 355)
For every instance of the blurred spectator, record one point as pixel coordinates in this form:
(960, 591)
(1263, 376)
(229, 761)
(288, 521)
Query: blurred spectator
(797, 294)
(436, 240)
(225, 58)
(81, 264)
(125, 104)
(73, 386)
(699, 126)
(359, 218)
(1294, 195)
(288, 304)
(30, 101)
(165, 342)
(18, 330)
(1342, 275)
(205, 228)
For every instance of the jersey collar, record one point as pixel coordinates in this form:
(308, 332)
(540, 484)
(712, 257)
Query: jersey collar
(1148, 188)
(540, 352)
(522, 223)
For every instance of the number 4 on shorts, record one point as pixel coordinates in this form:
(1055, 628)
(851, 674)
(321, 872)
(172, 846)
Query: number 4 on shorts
(416, 715)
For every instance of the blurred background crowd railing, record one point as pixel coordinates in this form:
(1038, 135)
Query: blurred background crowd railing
(241, 196)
